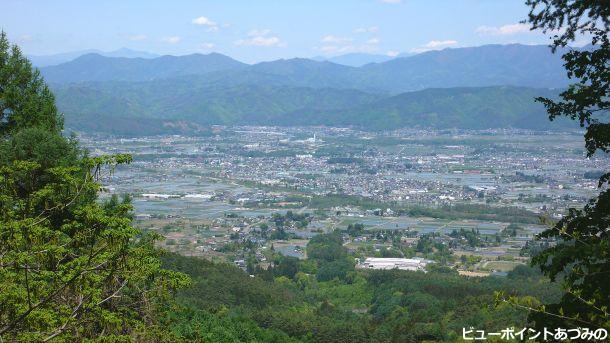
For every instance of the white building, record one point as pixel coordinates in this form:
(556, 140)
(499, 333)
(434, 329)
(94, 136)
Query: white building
(394, 263)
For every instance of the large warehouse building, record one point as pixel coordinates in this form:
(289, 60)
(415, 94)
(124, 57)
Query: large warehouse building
(394, 263)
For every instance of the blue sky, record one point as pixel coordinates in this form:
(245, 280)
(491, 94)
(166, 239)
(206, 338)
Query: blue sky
(256, 30)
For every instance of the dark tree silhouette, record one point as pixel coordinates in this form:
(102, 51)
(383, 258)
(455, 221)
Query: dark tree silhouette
(580, 259)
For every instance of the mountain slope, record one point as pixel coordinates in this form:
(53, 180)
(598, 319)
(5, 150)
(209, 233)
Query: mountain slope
(95, 67)
(358, 59)
(467, 108)
(163, 101)
(490, 65)
(179, 100)
(129, 53)
(55, 59)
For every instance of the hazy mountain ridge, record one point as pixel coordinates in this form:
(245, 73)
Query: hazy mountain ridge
(483, 87)
(355, 59)
(490, 65)
(95, 67)
(55, 59)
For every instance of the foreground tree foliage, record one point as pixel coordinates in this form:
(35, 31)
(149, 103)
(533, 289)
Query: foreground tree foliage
(226, 305)
(581, 257)
(71, 267)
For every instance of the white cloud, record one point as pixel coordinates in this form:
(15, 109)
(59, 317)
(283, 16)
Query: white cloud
(261, 41)
(511, 29)
(206, 46)
(334, 49)
(340, 45)
(343, 49)
(434, 45)
(258, 32)
(370, 29)
(390, 1)
(260, 37)
(204, 21)
(327, 48)
(392, 53)
(137, 37)
(336, 40)
(172, 39)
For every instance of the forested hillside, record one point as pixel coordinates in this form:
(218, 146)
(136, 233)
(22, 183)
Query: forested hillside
(103, 106)
(195, 101)
(326, 300)
(466, 108)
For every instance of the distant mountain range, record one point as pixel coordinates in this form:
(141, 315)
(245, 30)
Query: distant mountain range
(54, 59)
(490, 65)
(95, 67)
(355, 59)
(482, 87)
(351, 59)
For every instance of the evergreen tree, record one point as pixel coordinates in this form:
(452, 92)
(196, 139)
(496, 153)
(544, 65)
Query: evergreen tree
(71, 266)
(581, 256)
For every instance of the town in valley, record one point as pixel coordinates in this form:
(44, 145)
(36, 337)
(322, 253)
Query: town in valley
(408, 199)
